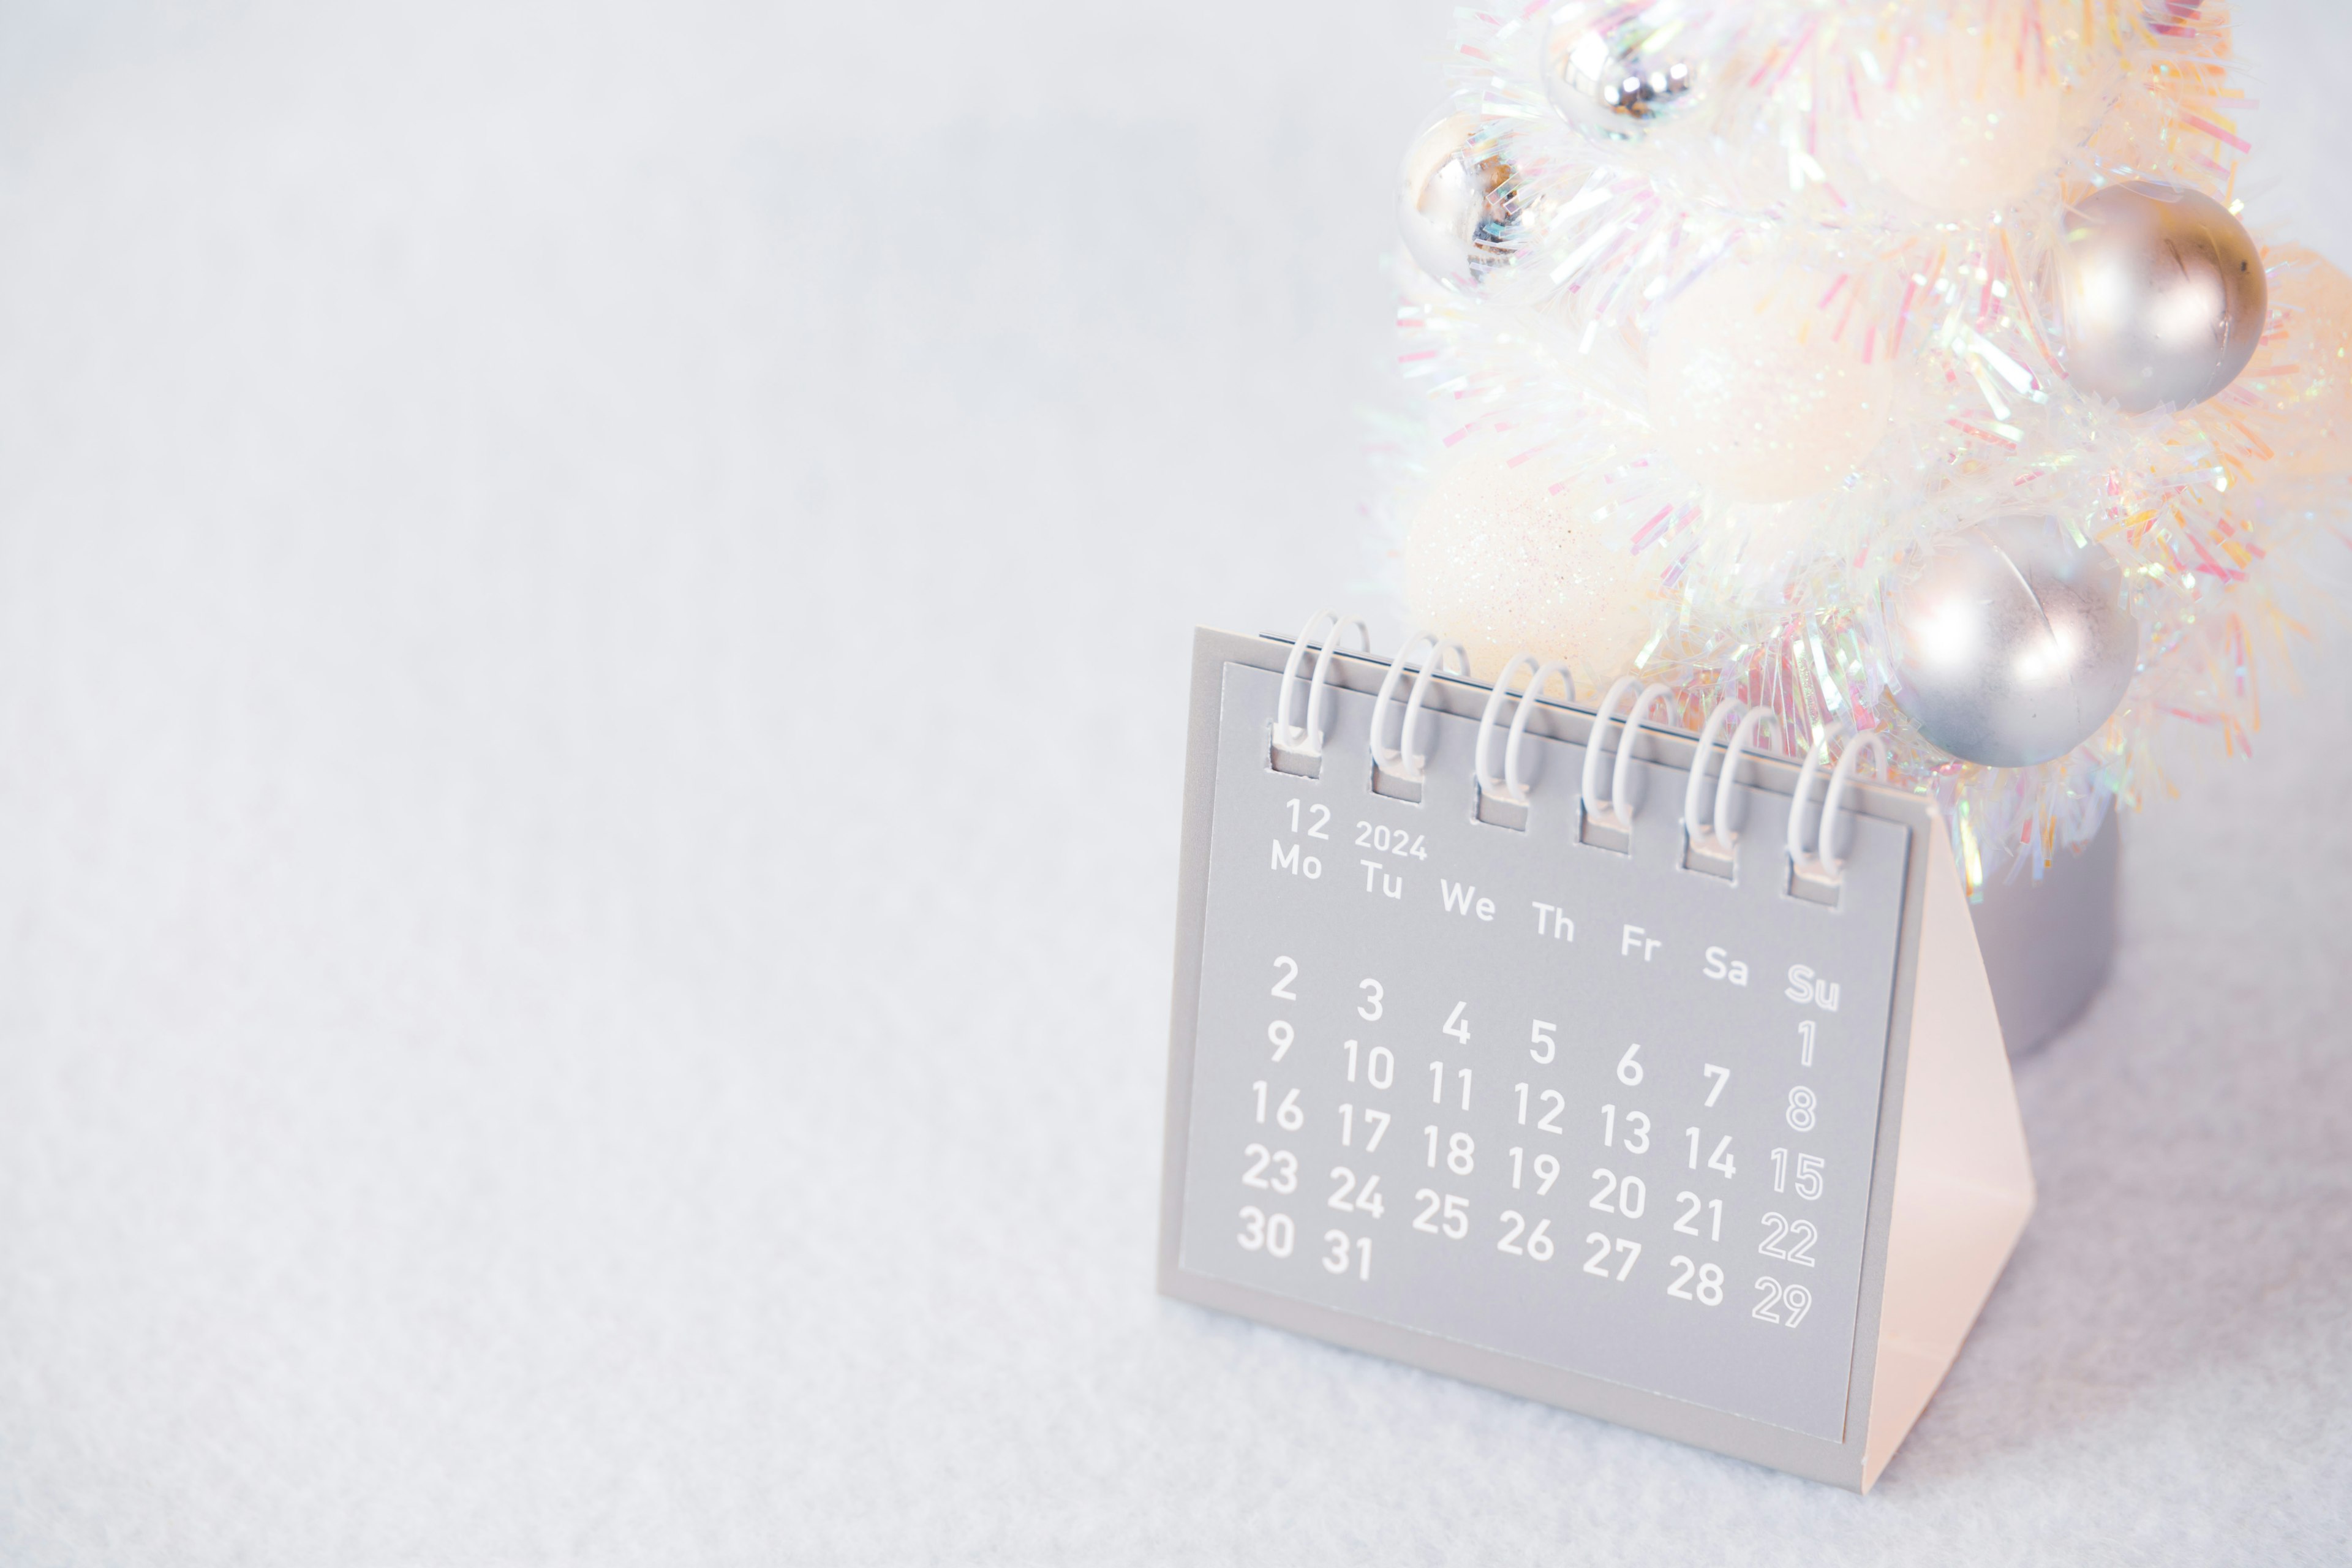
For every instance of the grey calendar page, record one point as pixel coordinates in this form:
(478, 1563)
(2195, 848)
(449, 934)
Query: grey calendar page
(1573, 1104)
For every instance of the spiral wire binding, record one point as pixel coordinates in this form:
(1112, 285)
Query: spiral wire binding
(1726, 839)
(1307, 740)
(1402, 761)
(1516, 786)
(1491, 784)
(1510, 787)
(1824, 865)
(1438, 654)
(1839, 777)
(1617, 810)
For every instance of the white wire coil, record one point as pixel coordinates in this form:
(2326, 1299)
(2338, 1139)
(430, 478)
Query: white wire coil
(1617, 809)
(1824, 860)
(1426, 655)
(1727, 839)
(1509, 785)
(1306, 739)
(1402, 761)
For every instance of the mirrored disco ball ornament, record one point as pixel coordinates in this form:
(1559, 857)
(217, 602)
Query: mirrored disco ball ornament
(1616, 69)
(1461, 207)
(2013, 646)
(2163, 296)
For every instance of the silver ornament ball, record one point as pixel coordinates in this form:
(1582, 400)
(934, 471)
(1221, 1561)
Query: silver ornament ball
(2163, 296)
(2013, 646)
(1614, 68)
(1461, 209)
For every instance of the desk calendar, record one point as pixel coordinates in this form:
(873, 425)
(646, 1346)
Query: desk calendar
(1495, 1051)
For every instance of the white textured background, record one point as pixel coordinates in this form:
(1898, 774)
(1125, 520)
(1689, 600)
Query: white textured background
(593, 608)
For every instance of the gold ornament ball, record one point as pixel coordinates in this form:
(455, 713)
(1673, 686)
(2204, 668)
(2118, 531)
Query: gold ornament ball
(1461, 208)
(1748, 393)
(2162, 293)
(1493, 557)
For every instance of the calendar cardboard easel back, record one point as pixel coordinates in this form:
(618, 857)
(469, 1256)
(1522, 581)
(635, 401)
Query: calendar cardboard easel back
(1596, 1121)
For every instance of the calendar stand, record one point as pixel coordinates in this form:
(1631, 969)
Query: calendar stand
(1963, 1184)
(1675, 1332)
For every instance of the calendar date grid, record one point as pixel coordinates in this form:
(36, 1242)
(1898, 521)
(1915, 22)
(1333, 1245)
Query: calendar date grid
(1335, 1169)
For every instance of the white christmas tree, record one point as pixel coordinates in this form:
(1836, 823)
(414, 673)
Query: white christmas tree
(1899, 367)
